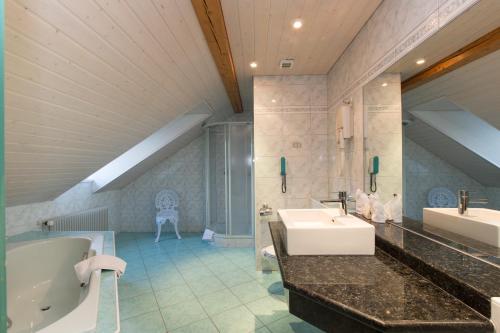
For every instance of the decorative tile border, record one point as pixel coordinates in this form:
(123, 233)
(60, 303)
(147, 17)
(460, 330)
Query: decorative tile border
(446, 12)
(424, 31)
(383, 108)
(450, 9)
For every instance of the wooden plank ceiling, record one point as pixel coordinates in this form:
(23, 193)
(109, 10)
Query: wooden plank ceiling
(211, 18)
(474, 87)
(87, 80)
(479, 48)
(261, 31)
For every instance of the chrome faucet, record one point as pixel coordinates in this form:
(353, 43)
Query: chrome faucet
(342, 199)
(265, 210)
(463, 202)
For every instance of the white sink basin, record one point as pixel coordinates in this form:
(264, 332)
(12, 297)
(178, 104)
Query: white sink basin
(480, 224)
(325, 232)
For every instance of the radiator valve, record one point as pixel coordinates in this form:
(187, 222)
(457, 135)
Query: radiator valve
(47, 224)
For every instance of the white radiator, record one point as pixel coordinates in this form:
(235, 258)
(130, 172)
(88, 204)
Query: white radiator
(89, 220)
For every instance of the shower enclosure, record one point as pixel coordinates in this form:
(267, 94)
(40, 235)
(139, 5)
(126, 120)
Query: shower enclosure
(229, 183)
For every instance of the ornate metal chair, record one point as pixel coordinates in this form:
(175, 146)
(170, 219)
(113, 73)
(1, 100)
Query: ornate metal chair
(166, 203)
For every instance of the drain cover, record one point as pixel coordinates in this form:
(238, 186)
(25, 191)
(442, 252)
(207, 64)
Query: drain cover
(45, 308)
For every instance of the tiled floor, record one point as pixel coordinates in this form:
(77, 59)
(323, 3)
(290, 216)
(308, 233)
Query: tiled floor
(190, 286)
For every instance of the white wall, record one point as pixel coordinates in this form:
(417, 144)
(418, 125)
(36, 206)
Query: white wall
(132, 208)
(24, 218)
(424, 171)
(290, 120)
(382, 102)
(350, 176)
(394, 29)
(184, 173)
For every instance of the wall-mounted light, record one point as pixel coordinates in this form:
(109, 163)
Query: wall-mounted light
(384, 84)
(253, 64)
(297, 24)
(420, 61)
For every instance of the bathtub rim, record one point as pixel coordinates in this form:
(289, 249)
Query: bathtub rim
(90, 303)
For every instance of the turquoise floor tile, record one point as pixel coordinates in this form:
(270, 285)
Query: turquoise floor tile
(249, 291)
(162, 270)
(173, 295)
(157, 259)
(168, 280)
(292, 324)
(187, 262)
(131, 276)
(123, 236)
(129, 256)
(137, 305)
(223, 267)
(192, 286)
(196, 273)
(182, 314)
(205, 285)
(268, 309)
(152, 251)
(239, 320)
(218, 301)
(234, 278)
(127, 289)
(135, 265)
(147, 323)
(202, 326)
(263, 330)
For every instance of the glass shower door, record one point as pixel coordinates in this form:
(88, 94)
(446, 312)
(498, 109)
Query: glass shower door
(217, 179)
(240, 179)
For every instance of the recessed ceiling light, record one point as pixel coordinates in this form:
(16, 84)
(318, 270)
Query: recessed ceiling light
(384, 84)
(273, 100)
(420, 61)
(297, 24)
(253, 64)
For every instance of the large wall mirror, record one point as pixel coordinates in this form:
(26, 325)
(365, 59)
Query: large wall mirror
(436, 115)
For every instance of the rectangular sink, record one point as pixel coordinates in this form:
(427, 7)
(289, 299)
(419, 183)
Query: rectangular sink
(326, 232)
(480, 224)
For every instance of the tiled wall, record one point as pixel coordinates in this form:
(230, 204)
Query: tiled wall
(290, 120)
(294, 127)
(183, 172)
(382, 102)
(394, 29)
(132, 208)
(79, 198)
(350, 177)
(424, 171)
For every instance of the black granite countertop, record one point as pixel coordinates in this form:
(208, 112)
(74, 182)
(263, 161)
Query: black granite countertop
(377, 291)
(471, 280)
(477, 249)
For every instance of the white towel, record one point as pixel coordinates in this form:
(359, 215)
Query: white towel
(362, 204)
(376, 209)
(84, 268)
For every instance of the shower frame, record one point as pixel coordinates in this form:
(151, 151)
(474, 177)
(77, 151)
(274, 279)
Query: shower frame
(228, 238)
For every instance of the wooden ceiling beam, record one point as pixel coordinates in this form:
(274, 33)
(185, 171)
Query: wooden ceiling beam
(211, 18)
(481, 47)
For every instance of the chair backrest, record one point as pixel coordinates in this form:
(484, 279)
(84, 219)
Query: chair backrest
(166, 199)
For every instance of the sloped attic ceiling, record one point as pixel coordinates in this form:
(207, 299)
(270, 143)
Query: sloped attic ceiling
(87, 80)
(458, 137)
(474, 87)
(149, 152)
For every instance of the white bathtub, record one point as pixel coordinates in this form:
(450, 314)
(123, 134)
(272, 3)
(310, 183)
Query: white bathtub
(43, 293)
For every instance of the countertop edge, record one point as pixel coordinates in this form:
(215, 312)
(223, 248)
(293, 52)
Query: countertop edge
(360, 316)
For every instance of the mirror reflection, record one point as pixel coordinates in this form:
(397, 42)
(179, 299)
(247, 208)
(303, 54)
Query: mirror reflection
(433, 135)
